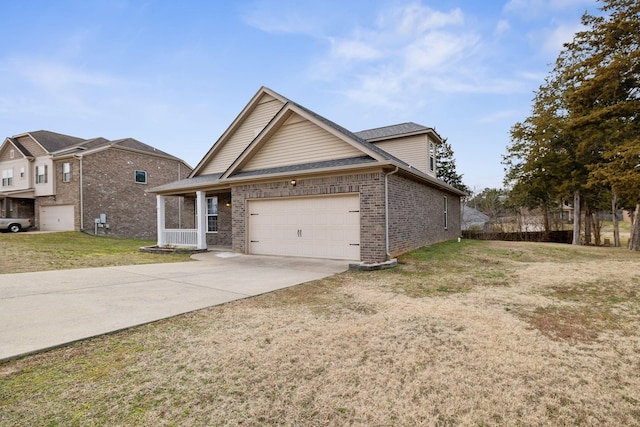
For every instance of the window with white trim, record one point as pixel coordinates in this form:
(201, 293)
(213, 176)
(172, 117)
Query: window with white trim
(66, 172)
(212, 214)
(432, 156)
(141, 177)
(446, 212)
(7, 177)
(41, 174)
(21, 173)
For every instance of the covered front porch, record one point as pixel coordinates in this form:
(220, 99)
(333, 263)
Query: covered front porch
(17, 205)
(209, 225)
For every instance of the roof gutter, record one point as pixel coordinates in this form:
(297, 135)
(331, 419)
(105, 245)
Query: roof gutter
(386, 209)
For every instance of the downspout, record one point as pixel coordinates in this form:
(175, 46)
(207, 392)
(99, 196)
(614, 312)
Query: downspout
(81, 196)
(386, 209)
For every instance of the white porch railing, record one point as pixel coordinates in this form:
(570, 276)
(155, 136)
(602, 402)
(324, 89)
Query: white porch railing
(180, 237)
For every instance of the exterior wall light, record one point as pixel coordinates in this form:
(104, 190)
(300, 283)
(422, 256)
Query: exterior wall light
(294, 182)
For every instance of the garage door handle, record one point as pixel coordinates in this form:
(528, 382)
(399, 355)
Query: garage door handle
(255, 241)
(353, 211)
(354, 244)
(299, 233)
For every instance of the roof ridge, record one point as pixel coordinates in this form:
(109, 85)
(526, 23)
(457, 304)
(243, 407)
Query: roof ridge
(394, 125)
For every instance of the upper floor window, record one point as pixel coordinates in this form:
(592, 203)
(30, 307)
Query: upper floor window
(212, 214)
(141, 177)
(66, 172)
(432, 156)
(21, 173)
(7, 177)
(41, 174)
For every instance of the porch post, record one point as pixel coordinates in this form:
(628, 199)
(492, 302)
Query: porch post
(160, 216)
(201, 216)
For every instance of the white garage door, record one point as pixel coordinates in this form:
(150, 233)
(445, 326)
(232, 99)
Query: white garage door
(56, 218)
(318, 227)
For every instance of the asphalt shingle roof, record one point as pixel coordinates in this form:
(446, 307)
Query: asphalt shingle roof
(134, 144)
(61, 145)
(308, 166)
(52, 141)
(189, 182)
(21, 147)
(393, 130)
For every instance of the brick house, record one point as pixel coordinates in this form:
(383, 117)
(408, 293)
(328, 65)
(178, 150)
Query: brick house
(283, 180)
(93, 185)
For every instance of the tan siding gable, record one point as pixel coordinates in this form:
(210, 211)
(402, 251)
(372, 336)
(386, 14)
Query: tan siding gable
(33, 147)
(300, 141)
(413, 150)
(5, 154)
(242, 137)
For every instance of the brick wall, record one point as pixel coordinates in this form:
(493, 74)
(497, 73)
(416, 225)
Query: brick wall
(416, 215)
(109, 188)
(369, 185)
(223, 236)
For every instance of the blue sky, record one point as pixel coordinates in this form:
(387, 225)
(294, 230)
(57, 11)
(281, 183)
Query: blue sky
(174, 74)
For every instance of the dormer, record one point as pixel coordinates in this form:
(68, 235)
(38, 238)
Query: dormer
(412, 143)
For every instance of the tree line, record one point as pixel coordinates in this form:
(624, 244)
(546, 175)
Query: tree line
(581, 142)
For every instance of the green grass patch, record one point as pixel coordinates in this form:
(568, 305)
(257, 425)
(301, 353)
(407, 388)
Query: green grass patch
(447, 268)
(24, 252)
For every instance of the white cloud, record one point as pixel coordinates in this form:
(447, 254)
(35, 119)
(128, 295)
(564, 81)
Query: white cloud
(285, 16)
(435, 50)
(536, 8)
(499, 116)
(355, 50)
(416, 19)
(502, 27)
(55, 76)
(554, 38)
(409, 52)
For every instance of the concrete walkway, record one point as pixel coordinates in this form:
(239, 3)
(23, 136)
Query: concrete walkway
(48, 309)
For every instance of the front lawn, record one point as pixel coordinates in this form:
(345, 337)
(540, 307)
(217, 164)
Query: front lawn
(31, 251)
(471, 333)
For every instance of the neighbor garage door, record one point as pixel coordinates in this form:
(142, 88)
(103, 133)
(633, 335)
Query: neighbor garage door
(56, 218)
(318, 227)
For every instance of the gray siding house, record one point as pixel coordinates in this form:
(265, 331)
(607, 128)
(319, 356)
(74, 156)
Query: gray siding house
(283, 180)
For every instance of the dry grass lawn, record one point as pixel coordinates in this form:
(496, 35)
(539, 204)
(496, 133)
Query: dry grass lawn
(470, 334)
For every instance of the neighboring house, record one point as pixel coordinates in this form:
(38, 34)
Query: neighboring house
(282, 180)
(473, 219)
(93, 185)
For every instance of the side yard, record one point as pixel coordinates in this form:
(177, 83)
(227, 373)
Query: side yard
(471, 333)
(34, 251)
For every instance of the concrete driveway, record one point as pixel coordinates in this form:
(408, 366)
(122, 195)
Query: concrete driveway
(47, 309)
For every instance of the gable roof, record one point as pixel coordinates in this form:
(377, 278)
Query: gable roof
(290, 108)
(134, 144)
(52, 141)
(246, 111)
(18, 146)
(60, 145)
(367, 154)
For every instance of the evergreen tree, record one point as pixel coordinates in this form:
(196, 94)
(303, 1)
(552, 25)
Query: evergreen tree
(584, 132)
(447, 167)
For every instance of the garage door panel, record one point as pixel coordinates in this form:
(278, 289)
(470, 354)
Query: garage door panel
(322, 227)
(57, 218)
